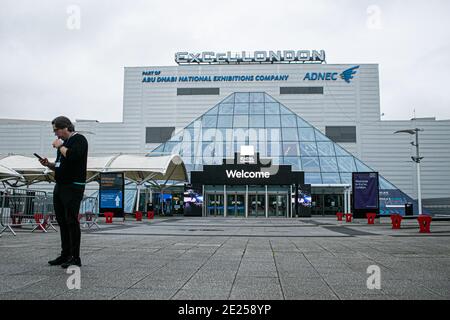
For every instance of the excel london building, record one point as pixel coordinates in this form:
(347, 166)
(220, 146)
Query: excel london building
(257, 130)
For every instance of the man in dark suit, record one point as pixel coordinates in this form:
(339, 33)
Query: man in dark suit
(70, 175)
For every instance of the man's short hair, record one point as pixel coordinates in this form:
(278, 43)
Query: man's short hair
(62, 123)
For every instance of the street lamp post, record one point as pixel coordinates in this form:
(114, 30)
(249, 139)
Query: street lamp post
(417, 159)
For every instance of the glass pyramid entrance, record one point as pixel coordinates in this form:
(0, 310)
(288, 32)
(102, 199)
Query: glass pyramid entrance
(256, 118)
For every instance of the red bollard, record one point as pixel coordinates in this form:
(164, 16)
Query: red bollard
(424, 223)
(348, 217)
(150, 214)
(339, 215)
(138, 216)
(396, 221)
(38, 217)
(371, 218)
(109, 217)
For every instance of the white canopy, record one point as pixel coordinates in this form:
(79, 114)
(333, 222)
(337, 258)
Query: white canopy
(8, 173)
(29, 168)
(139, 169)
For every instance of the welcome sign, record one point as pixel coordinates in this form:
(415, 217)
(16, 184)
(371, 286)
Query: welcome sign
(238, 172)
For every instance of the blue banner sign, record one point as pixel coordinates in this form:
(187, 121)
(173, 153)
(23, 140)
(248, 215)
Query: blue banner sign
(365, 191)
(111, 191)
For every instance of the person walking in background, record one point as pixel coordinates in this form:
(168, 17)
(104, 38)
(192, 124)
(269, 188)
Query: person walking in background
(70, 176)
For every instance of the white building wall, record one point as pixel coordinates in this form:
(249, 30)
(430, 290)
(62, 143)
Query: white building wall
(342, 104)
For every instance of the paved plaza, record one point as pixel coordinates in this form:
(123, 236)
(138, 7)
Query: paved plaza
(225, 258)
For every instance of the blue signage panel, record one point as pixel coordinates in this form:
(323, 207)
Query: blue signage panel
(365, 191)
(111, 199)
(112, 192)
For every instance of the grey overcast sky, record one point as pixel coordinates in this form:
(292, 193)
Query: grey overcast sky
(53, 63)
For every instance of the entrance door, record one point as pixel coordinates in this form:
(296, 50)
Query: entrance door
(327, 204)
(215, 205)
(240, 205)
(317, 204)
(256, 205)
(231, 205)
(277, 205)
(282, 205)
(235, 205)
(333, 204)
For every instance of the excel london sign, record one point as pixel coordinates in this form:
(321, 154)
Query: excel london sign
(280, 56)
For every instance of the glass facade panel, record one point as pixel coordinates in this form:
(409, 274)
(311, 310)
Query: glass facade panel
(257, 108)
(223, 134)
(191, 134)
(284, 110)
(308, 149)
(256, 97)
(241, 108)
(272, 108)
(313, 178)
(294, 162)
(273, 121)
(346, 164)
(177, 138)
(209, 121)
(169, 146)
(302, 123)
(225, 122)
(256, 121)
(159, 149)
(310, 164)
(331, 178)
(240, 134)
(346, 178)
(289, 121)
(229, 99)
(240, 121)
(274, 150)
(325, 148)
(213, 111)
(340, 151)
(291, 149)
(268, 98)
(328, 164)
(226, 109)
(209, 134)
(208, 150)
(273, 134)
(320, 136)
(289, 134)
(306, 134)
(242, 97)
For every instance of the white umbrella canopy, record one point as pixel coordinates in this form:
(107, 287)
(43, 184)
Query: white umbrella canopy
(29, 168)
(139, 169)
(136, 168)
(8, 173)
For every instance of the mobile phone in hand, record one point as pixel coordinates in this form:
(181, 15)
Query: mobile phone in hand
(38, 156)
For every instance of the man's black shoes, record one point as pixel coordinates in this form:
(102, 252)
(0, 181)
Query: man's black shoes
(71, 262)
(58, 261)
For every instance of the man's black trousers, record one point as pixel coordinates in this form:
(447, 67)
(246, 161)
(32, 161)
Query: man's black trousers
(66, 201)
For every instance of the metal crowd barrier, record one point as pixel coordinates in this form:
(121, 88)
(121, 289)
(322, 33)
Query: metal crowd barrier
(89, 213)
(21, 208)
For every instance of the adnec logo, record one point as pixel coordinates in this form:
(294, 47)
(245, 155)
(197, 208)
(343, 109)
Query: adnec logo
(347, 75)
